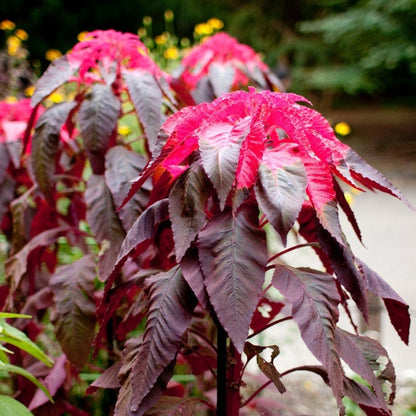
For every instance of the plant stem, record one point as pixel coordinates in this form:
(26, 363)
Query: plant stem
(221, 371)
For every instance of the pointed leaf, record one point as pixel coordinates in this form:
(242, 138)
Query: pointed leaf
(121, 165)
(233, 257)
(314, 298)
(10, 406)
(368, 359)
(146, 95)
(58, 72)
(74, 317)
(220, 145)
(187, 201)
(104, 222)
(396, 307)
(45, 145)
(98, 117)
(221, 76)
(173, 406)
(280, 190)
(170, 311)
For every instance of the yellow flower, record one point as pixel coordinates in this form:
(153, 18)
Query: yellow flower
(141, 32)
(13, 45)
(171, 53)
(203, 29)
(21, 34)
(147, 20)
(216, 23)
(56, 97)
(124, 130)
(7, 25)
(82, 35)
(11, 100)
(161, 39)
(52, 54)
(169, 15)
(29, 91)
(342, 128)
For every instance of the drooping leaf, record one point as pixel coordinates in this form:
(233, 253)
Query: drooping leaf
(220, 145)
(121, 166)
(232, 253)
(368, 359)
(104, 222)
(396, 307)
(192, 273)
(314, 298)
(45, 145)
(171, 303)
(74, 317)
(58, 72)
(147, 99)
(187, 201)
(280, 190)
(98, 117)
(221, 77)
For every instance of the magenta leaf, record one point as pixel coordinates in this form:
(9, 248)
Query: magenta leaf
(187, 201)
(233, 257)
(121, 165)
(104, 222)
(280, 190)
(147, 99)
(97, 118)
(171, 303)
(368, 359)
(74, 316)
(220, 145)
(396, 307)
(45, 145)
(314, 298)
(58, 72)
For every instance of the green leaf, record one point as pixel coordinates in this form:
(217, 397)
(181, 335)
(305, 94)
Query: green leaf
(10, 406)
(14, 336)
(4, 315)
(22, 372)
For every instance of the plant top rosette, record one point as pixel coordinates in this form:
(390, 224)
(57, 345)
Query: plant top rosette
(220, 65)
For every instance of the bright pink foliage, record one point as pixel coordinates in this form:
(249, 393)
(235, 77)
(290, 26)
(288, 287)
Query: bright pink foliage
(13, 119)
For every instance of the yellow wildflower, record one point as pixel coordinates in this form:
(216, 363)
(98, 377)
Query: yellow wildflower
(21, 34)
(124, 130)
(52, 54)
(169, 15)
(216, 23)
(171, 53)
(141, 32)
(203, 29)
(7, 25)
(161, 39)
(147, 20)
(82, 35)
(342, 128)
(13, 45)
(29, 91)
(56, 97)
(11, 100)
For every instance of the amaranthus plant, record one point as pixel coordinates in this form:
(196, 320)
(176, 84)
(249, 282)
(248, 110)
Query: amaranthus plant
(158, 249)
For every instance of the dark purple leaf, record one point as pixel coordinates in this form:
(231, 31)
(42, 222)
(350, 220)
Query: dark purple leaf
(121, 165)
(74, 317)
(45, 145)
(98, 117)
(192, 273)
(368, 359)
(171, 303)
(58, 72)
(280, 189)
(104, 222)
(396, 307)
(314, 298)
(233, 257)
(4, 162)
(107, 380)
(173, 406)
(147, 99)
(7, 188)
(221, 77)
(187, 201)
